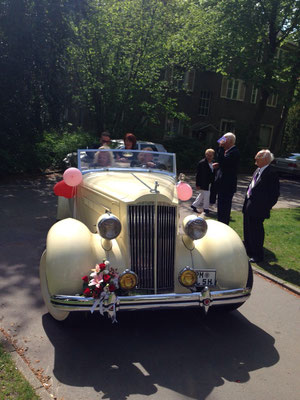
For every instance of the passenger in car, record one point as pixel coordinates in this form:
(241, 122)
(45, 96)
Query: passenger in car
(103, 158)
(129, 144)
(145, 160)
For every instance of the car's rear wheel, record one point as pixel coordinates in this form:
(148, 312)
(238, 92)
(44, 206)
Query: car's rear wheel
(59, 315)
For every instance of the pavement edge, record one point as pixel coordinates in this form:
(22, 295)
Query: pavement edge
(289, 286)
(24, 369)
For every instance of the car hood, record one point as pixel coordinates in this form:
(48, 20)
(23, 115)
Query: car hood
(130, 186)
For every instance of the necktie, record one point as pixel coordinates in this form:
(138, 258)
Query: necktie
(252, 183)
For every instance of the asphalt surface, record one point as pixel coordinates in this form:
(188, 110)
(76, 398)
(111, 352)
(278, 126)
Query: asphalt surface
(250, 353)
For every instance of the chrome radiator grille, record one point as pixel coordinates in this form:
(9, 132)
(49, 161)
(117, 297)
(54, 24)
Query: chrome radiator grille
(142, 220)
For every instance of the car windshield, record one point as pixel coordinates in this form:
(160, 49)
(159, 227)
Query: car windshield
(291, 156)
(143, 160)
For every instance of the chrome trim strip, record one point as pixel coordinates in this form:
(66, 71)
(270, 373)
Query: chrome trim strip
(169, 300)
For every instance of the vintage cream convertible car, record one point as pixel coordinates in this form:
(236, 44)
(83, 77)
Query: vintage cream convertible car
(126, 210)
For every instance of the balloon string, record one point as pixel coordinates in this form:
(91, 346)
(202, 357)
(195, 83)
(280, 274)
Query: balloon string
(74, 202)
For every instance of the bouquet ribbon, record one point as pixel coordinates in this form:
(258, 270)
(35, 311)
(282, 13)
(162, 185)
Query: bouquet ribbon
(107, 303)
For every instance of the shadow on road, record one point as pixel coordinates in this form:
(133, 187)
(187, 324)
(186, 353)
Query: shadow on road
(27, 213)
(289, 275)
(184, 352)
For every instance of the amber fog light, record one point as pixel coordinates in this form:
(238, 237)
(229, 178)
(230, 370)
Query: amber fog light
(187, 277)
(128, 280)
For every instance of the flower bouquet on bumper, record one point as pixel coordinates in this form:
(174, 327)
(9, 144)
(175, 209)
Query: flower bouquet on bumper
(102, 284)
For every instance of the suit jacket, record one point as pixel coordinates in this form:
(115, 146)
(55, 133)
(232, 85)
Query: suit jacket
(226, 177)
(264, 194)
(204, 175)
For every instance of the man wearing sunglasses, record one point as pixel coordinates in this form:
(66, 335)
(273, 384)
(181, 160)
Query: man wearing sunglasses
(105, 139)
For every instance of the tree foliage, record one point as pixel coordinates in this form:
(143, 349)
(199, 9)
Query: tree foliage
(115, 64)
(119, 56)
(34, 36)
(246, 44)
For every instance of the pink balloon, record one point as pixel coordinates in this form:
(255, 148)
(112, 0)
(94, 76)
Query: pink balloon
(184, 191)
(72, 176)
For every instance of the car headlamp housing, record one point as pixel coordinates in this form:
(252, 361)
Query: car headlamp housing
(195, 227)
(109, 226)
(187, 277)
(128, 280)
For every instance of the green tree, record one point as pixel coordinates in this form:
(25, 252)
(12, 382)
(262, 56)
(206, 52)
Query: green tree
(245, 42)
(33, 75)
(119, 56)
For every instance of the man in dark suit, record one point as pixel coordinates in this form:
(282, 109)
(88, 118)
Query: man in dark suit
(204, 178)
(262, 195)
(228, 158)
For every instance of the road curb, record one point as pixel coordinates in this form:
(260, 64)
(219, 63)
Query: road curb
(24, 369)
(293, 288)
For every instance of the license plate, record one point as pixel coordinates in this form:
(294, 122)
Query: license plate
(206, 277)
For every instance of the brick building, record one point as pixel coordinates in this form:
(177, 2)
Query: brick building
(216, 104)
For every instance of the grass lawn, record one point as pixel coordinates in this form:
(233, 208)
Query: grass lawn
(282, 242)
(13, 385)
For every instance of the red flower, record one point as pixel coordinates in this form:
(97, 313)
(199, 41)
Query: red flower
(87, 292)
(85, 279)
(112, 287)
(97, 291)
(102, 266)
(106, 278)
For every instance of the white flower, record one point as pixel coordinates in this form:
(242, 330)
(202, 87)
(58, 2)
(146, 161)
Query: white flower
(107, 263)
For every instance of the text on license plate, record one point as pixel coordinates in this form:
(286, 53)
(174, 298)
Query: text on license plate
(206, 277)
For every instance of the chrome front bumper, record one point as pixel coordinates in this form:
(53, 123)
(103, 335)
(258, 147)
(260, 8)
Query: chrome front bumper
(205, 298)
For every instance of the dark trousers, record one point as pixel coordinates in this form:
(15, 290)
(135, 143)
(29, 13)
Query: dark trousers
(254, 235)
(224, 207)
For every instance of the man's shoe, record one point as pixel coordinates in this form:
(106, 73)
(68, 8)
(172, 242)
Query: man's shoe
(255, 260)
(194, 209)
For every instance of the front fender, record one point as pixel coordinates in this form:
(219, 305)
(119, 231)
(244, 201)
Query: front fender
(71, 252)
(221, 249)
(69, 256)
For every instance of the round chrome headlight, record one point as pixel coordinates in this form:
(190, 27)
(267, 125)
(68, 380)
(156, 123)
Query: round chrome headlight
(195, 227)
(109, 226)
(187, 277)
(128, 280)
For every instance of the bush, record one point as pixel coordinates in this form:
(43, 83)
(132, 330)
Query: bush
(54, 147)
(188, 151)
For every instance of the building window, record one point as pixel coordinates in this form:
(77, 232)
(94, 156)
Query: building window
(189, 80)
(204, 103)
(227, 125)
(272, 100)
(233, 89)
(265, 135)
(254, 95)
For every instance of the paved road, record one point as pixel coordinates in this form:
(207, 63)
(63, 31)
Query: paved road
(289, 192)
(251, 353)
